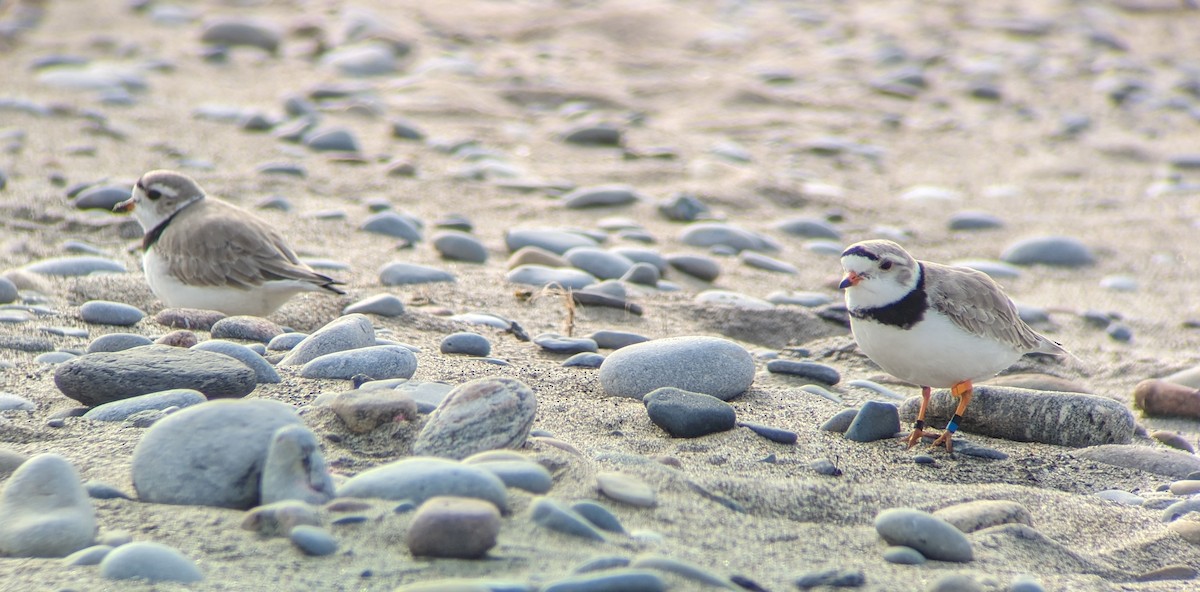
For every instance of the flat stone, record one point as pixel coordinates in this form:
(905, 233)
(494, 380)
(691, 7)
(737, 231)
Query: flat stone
(708, 365)
(264, 372)
(384, 305)
(295, 469)
(471, 344)
(555, 343)
(114, 342)
(150, 561)
(697, 266)
(626, 488)
(981, 514)
(101, 197)
(348, 332)
(11, 402)
(601, 196)
(336, 139)
(454, 245)
(44, 510)
(600, 516)
(224, 468)
(378, 362)
(521, 474)
(1169, 463)
(188, 318)
(613, 580)
(598, 262)
(684, 414)
(552, 240)
(246, 328)
(541, 276)
(454, 527)
(94, 379)
(395, 225)
(584, 360)
(810, 370)
(809, 228)
(935, 538)
(122, 409)
(103, 312)
(313, 540)
(1062, 419)
(483, 414)
(363, 59)
(404, 274)
(710, 234)
(1051, 250)
(75, 266)
(279, 518)
(241, 32)
(418, 479)
(550, 514)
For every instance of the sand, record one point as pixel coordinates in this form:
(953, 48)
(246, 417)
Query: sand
(687, 76)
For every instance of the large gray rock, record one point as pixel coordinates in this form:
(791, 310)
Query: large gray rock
(95, 379)
(418, 479)
(44, 510)
(351, 331)
(295, 468)
(1160, 461)
(479, 415)
(211, 454)
(708, 365)
(1063, 419)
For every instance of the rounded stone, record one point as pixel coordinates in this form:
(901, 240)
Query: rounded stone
(626, 488)
(8, 291)
(708, 365)
(295, 468)
(313, 540)
(235, 31)
(598, 262)
(104, 312)
(332, 140)
(395, 225)
(121, 410)
(102, 197)
(601, 195)
(98, 378)
(149, 561)
(931, 536)
(246, 328)
(540, 275)
(223, 469)
(550, 514)
(188, 318)
(44, 510)
(75, 266)
(384, 305)
(584, 360)
(114, 342)
(711, 234)
(685, 414)
(419, 479)
(378, 362)
(455, 245)
(471, 344)
(264, 372)
(810, 370)
(697, 266)
(348, 332)
(400, 273)
(454, 527)
(809, 228)
(484, 414)
(552, 240)
(875, 420)
(1051, 250)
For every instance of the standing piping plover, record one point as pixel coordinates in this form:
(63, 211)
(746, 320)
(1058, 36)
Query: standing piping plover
(201, 252)
(933, 325)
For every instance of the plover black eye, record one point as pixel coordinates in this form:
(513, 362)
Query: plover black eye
(153, 194)
(886, 265)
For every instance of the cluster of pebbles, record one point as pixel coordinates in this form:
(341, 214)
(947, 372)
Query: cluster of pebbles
(339, 436)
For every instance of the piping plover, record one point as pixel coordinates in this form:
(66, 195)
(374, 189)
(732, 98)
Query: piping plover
(201, 252)
(933, 325)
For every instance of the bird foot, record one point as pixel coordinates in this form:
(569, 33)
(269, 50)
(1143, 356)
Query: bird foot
(945, 439)
(914, 438)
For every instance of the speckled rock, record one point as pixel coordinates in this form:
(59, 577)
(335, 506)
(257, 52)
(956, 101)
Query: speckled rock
(98, 378)
(483, 414)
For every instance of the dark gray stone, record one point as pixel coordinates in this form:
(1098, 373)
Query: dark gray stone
(114, 342)
(686, 414)
(110, 313)
(94, 379)
(810, 370)
(875, 420)
(471, 344)
(459, 246)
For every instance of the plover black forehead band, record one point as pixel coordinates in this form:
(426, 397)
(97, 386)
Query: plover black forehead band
(861, 251)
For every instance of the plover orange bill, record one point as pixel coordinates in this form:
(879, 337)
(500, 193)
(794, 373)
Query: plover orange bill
(201, 252)
(933, 325)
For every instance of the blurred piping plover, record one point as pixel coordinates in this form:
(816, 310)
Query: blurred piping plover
(933, 325)
(201, 252)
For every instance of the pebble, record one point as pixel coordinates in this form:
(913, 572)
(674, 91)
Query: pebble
(601, 196)
(9, 461)
(8, 291)
(122, 409)
(600, 516)
(771, 433)
(178, 338)
(484, 414)
(348, 332)
(809, 228)
(75, 266)
(396, 225)
(612, 580)
(378, 362)
(99, 490)
(1160, 461)
(809, 370)
(95, 379)
(384, 305)
(150, 561)
(601, 563)
(1119, 283)
(44, 510)
(1062, 419)
(760, 261)
(57, 357)
(11, 402)
(608, 339)
(901, 555)
(471, 344)
(995, 269)
(453, 527)
(684, 414)
(708, 365)
(400, 273)
(264, 372)
(243, 32)
(455, 245)
(294, 468)
(550, 514)
(246, 328)
(689, 571)
(683, 207)
(833, 577)
(1051, 250)
(598, 262)
(1119, 332)
(876, 388)
(336, 139)
(279, 518)
(720, 234)
(1121, 497)
(188, 318)
(1160, 398)
(643, 255)
(118, 342)
(362, 60)
(224, 468)
(103, 312)
(530, 255)
(15, 316)
(364, 409)
(933, 537)
(555, 343)
(1173, 440)
(418, 479)
(1168, 573)
(626, 488)
(313, 540)
(970, 220)
(980, 514)
(733, 299)
(875, 420)
(643, 274)
(559, 277)
(1185, 487)
(552, 240)
(600, 134)
(1180, 509)
(955, 583)
(697, 266)
(520, 474)
(88, 556)
(584, 360)
(287, 341)
(102, 197)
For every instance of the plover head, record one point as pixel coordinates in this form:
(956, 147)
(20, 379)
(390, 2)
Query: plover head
(878, 273)
(158, 195)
